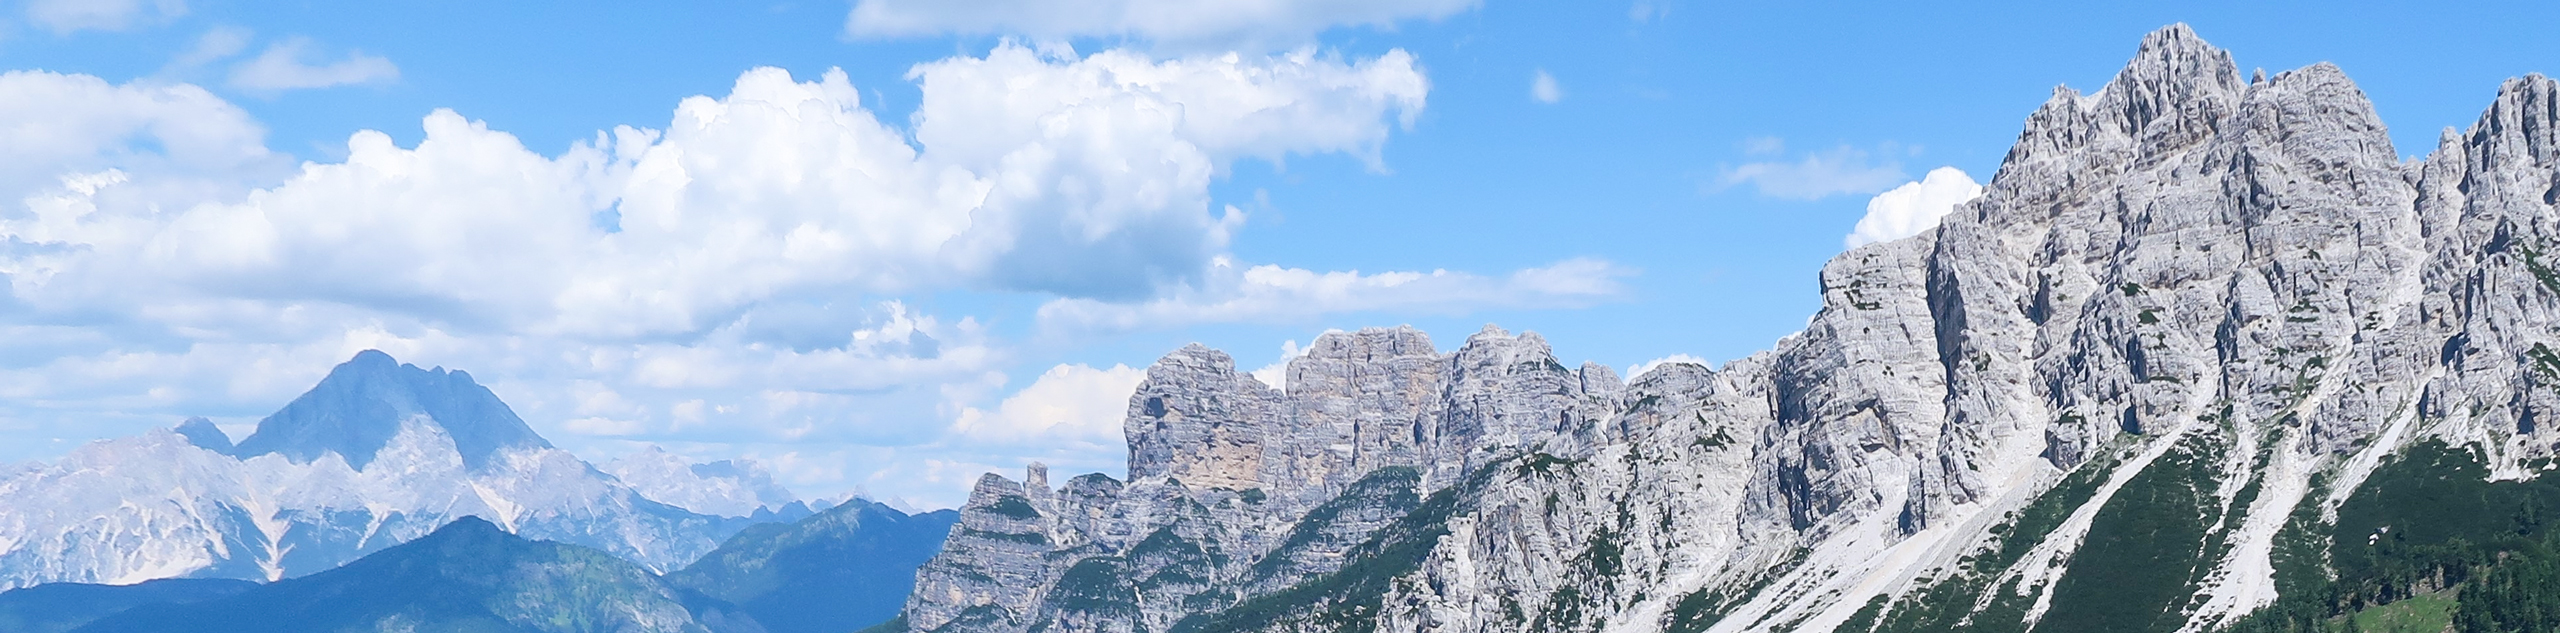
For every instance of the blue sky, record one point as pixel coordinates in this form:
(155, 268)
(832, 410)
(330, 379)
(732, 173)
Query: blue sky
(1052, 194)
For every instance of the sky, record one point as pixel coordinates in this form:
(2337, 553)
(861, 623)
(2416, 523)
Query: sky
(887, 245)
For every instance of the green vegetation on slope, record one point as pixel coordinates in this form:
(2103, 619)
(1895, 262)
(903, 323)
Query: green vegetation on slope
(848, 567)
(2427, 528)
(2135, 570)
(468, 577)
(1948, 604)
(58, 607)
(2422, 613)
(1348, 600)
(1388, 491)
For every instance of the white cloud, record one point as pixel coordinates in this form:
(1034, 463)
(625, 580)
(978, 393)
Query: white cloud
(218, 43)
(1270, 293)
(1243, 25)
(1088, 178)
(1638, 369)
(160, 134)
(1542, 87)
(67, 16)
(721, 281)
(1097, 170)
(1843, 170)
(1276, 374)
(1074, 404)
(1913, 207)
(282, 68)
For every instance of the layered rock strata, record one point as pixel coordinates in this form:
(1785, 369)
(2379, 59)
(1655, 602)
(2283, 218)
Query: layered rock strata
(2188, 317)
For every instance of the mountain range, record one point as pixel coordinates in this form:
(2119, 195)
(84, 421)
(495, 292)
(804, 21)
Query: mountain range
(2207, 354)
(391, 497)
(376, 454)
(467, 576)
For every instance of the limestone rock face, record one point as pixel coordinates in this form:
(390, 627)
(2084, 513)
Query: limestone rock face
(2227, 299)
(1197, 419)
(1237, 489)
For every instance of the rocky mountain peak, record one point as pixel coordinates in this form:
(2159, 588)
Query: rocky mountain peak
(1198, 419)
(202, 433)
(1372, 344)
(2175, 77)
(2173, 342)
(363, 402)
(2525, 118)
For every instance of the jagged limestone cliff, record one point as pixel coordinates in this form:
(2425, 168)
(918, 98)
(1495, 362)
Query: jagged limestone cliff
(2133, 387)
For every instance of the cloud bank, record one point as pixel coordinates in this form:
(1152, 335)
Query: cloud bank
(735, 281)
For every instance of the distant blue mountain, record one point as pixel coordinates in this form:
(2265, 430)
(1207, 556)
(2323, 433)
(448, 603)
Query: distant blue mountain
(65, 606)
(843, 569)
(202, 433)
(357, 409)
(428, 446)
(468, 576)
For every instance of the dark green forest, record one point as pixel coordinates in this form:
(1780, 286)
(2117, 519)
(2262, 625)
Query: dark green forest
(2426, 529)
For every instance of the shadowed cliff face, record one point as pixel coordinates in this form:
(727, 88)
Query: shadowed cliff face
(2186, 321)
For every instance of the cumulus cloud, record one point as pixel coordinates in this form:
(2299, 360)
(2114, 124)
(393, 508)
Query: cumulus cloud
(1269, 293)
(1913, 207)
(67, 16)
(724, 279)
(1236, 25)
(1073, 404)
(1089, 179)
(282, 67)
(1543, 88)
(75, 124)
(1840, 171)
(1098, 169)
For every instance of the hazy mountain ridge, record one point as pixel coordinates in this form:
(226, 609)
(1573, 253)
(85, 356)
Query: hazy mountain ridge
(731, 488)
(2141, 385)
(60, 607)
(846, 567)
(376, 454)
(467, 576)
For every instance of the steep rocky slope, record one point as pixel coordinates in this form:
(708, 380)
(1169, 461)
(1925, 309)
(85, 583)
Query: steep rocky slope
(2144, 383)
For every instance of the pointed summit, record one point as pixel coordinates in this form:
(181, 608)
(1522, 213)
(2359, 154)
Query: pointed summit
(360, 406)
(2175, 77)
(202, 433)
